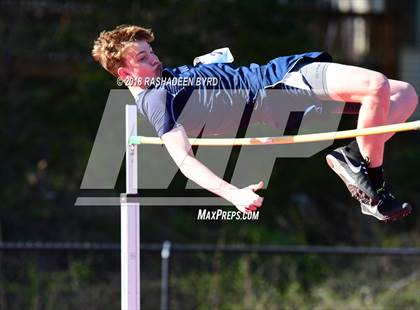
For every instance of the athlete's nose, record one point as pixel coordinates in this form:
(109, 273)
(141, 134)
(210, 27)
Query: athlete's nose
(155, 61)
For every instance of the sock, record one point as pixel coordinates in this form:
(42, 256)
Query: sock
(376, 175)
(354, 147)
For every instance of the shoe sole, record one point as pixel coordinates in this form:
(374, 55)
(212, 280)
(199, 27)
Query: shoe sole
(355, 191)
(402, 213)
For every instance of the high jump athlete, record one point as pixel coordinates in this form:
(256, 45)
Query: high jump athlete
(125, 52)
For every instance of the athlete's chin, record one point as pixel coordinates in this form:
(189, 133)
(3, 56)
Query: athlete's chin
(158, 72)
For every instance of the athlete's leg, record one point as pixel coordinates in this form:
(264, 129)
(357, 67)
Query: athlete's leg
(382, 102)
(372, 90)
(404, 101)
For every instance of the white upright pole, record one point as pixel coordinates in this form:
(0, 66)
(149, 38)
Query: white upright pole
(130, 222)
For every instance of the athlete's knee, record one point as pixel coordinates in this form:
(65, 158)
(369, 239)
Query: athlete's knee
(411, 95)
(407, 96)
(378, 86)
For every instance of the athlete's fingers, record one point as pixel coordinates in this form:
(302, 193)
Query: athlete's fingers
(251, 208)
(254, 206)
(258, 202)
(255, 200)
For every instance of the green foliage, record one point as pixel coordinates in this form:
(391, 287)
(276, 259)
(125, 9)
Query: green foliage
(255, 282)
(32, 285)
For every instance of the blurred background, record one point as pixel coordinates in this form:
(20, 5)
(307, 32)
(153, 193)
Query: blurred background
(53, 97)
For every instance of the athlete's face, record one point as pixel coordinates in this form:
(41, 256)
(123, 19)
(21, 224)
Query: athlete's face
(140, 63)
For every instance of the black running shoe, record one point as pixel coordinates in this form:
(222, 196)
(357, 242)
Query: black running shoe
(351, 167)
(388, 208)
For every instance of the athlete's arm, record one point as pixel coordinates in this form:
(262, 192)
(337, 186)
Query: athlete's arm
(178, 146)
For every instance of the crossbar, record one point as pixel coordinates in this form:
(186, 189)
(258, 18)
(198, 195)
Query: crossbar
(314, 137)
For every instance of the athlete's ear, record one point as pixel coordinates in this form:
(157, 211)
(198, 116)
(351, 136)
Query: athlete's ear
(122, 72)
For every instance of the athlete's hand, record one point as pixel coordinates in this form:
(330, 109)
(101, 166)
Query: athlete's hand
(246, 200)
